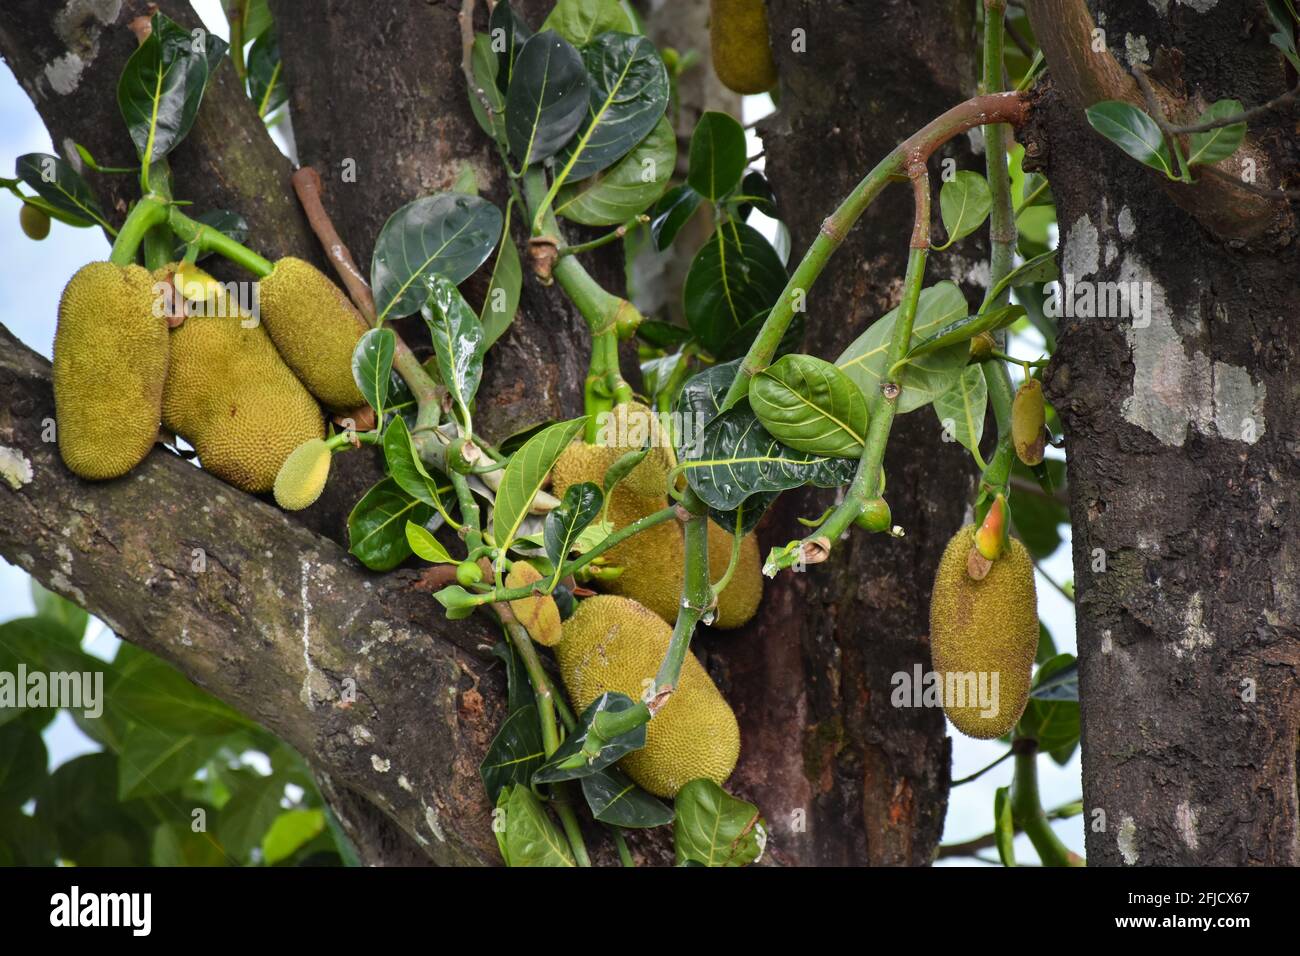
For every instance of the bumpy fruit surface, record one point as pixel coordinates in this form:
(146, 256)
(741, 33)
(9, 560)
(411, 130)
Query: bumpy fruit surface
(315, 328)
(302, 477)
(231, 396)
(614, 644)
(35, 222)
(738, 38)
(110, 362)
(538, 613)
(1028, 420)
(983, 628)
(627, 429)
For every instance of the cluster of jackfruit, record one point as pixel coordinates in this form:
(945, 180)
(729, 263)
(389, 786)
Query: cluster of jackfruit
(653, 561)
(245, 393)
(613, 644)
(983, 627)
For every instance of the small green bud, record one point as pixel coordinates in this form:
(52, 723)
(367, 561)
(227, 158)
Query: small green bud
(468, 573)
(876, 516)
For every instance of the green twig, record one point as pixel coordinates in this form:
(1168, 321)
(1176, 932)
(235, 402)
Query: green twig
(1027, 813)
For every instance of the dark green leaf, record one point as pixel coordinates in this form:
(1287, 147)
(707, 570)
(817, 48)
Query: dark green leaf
(718, 155)
(1046, 646)
(60, 612)
(964, 202)
(457, 340)
(377, 525)
(1037, 519)
(61, 186)
(502, 299)
(447, 234)
(251, 810)
(1132, 131)
(524, 476)
(372, 366)
(24, 841)
(616, 800)
(745, 518)
(714, 828)
(1217, 144)
(547, 99)
(663, 335)
(672, 212)
(569, 763)
(1004, 827)
(1053, 723)
(581, 21)
(755, 193)
(961, 409)
(266, 86)
(810, 405)
(90, 827)
(734, 280)
(507, 31)
(614, 196)
(519, 693)
(530, 837)
(150, 691)
(484, 65)
(407, 470)
(257, 19)
(156, 761)
(1060, 684)
(23, 760)
(563, 525)
(515, 752)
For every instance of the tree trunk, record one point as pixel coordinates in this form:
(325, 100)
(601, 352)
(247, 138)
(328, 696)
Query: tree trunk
(1180, 426)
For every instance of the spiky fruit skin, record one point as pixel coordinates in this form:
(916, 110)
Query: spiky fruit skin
(302, 477)
(110, 362)
(626, 429)
(742, 58)
(231, 396)
(315, 328)
(614, 644)
(34, 222)
(739, 600)
(987, 626)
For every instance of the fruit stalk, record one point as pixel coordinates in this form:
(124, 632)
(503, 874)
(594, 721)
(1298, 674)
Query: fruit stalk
(1027, 813)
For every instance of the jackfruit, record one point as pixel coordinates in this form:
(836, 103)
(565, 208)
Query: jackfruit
(302, 477)
(983, 628)
(627, 428)
(538, 613)
(34, 221)
(1028, 421)
(230, 394)
(110, 362)
(742, 58)
(739, 600)
(315, 328)
(614, 644)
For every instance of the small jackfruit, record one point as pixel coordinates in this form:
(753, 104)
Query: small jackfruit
(34, 221)
(315, 327)
(742, 58)
(614, 644)
(980, 630)
(110, 362)
(538, 613)
(302, 477)
(230, 394)
(1029, 421)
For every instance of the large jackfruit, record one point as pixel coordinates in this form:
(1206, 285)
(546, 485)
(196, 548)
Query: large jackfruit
(742, 58)
(110, 362)
(230, 394)
(983, 628)
(614, 644)
(315, 328)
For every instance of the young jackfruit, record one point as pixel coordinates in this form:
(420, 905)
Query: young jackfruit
(34, 221)
(538, 613)
(628, 428)
(614, 644)
(302, 477)
(315, 328)
(982, 630)
(232, 397)
(1028, 422)
(110, 362)
(742, 58)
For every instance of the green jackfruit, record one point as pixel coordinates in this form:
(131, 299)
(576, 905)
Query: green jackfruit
(614, 644)
(110, 362)
(34, 221)
(742, 58)
(230, 394)
(302, 477)
(626, 429)
(983, 628)
(315, 328)
(1028, 421)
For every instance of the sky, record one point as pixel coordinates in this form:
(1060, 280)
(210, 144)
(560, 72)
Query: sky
(32, 275)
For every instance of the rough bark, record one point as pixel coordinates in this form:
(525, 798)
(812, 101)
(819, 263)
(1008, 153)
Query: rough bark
(1181, 434)
(844, 777)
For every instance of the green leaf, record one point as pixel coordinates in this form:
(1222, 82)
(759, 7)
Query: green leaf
(565, 524)
(1004, 827)
(735, 457)
(964, 202)
(569, 763)
(447, 234)
(519, 692)
(628, 93)
(377, 525)
(927, 376)
(961, 409)
(426, 546)
(406, 468)
(249, 813)
(810, 405)
(530, 838)
(90, 827)
(1060, 684)
(61, 186)
(524, 476)
(1284, 22)
(266, 87)
(156, 761)
(162, 86)
(713, 828)
(733, 281)
(372, 366)
(1217, 144)
(229, 224)
(175, 844)
(755, 193)
(291, 830)
(547, 99)
(581, 21)
(507, 32)
(515, 752)
(718, 155)
(60, 612)
(1037, 519)
(502, 299)
(257, 19)
(150, 691)
(672, 212)
(484, 64)
(457, 341)
(1132, 131)
(614, 196)
(1054, 723)
(23, 760)
(614, 799)
(966, 328)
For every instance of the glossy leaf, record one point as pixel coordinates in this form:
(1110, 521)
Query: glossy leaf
(755, 193)
(426, 546)
(502, 299)
(519, 693)
(60, 185)
(530, 837)
(964, 202)
(624, 190)
(713, 828)
(266, 86)
(733, 281)
(515, 752)
(614, 799)
(672, 212)
(582, 21)
(1054, 723)
(927, 376)
(966, 328)
(961, 409)
(1004, 827)
(447, 234)
(810, 405)
(377, 525)
(524, 476)
(372, 366)
(405, 467)
(564, 525)
(568, 762)
(1060, 684)
(1132, 131)
(485, 67)
(507, 32)
(457, 340)
(547, 99)
(745, 517)
(1217, 144)
(718, 155)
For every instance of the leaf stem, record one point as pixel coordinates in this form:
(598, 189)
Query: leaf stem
(611, 236)
(1027, 812)
(150, 211)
